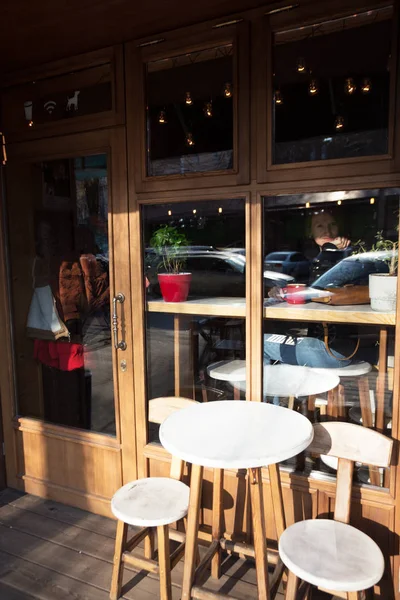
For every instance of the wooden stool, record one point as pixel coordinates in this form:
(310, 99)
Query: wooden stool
(233, 371)
(151, 503)
(335, 406)
(331, 554)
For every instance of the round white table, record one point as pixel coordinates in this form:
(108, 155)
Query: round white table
(234, 435)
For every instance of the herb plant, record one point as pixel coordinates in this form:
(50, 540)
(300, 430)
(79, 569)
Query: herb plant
(168, 243)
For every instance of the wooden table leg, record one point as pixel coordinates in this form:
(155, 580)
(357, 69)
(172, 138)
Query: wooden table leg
(277, 499)
(217, 507)
(381, 381)
(192, 530)
(260, 543)
(164, 562)
(120, 543)
(183, 360)
(366, 415)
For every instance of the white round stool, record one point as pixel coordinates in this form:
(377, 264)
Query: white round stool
(233, 371)
(150, 502)
(334, 406)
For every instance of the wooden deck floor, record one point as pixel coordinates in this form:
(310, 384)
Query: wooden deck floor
(50, 551)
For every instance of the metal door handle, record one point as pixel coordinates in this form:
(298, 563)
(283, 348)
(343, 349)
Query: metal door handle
(122, 344)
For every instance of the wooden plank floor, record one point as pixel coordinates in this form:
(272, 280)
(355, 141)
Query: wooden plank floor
(49, 551)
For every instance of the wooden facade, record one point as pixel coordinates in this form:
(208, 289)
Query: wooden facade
(84, 468)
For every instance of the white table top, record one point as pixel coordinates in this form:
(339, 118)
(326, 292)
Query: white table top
(235, 434)
(289, 380)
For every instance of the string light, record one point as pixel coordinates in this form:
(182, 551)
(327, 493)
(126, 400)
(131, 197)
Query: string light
(169, 213)
(30, 124)
(350, 86)
(372, 200)
(301, 65)
(278, 97)
(188, 99)
(208, 109)
(162, 117)
(228, 90)
(189, 139)
(313, 87)
(220, 209)
(307, 205)
(366, 86)
(339, 202)
(194, 211)
(339, 123)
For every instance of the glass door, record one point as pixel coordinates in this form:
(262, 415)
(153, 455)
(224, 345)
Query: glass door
(71, 336)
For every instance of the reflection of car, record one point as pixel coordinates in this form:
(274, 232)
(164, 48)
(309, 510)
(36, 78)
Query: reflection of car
(214, 273)
(354, 270)
(291, 263)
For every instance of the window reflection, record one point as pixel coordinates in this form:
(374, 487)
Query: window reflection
(331, 88)
(325, 322)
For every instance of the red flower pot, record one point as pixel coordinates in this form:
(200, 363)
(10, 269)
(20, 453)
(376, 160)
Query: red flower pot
(174, 286)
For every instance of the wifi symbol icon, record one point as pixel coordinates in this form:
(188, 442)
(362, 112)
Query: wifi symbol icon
(50, 106)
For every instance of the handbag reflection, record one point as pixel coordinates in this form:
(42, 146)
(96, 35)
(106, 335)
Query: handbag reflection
(342, 296)
(44, 322)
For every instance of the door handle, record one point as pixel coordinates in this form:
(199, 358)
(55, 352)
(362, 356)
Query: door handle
(122, 344)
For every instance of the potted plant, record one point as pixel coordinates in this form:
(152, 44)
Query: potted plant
(383, 286)
(168, 244)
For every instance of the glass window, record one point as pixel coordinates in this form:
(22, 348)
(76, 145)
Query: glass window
(190, 332)
(331, 88)
(60, 251)
(329, 332)
(190, 112)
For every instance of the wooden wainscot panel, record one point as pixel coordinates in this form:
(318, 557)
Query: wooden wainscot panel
(377, 521)
(91, 465)
(69, 96)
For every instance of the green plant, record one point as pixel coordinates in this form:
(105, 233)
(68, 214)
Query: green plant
(380, 245)
(168, 242)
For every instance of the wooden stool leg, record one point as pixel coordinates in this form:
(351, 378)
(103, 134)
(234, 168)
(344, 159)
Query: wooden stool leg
(292, 586)
(236, 393)
(353, 595)
(192, 531)
(367, 421)
(217, 508)
(149, 544)
(311, 408)
(260, 543)
(341, 402)
(164, 562)
(277, 499)
(118, 568)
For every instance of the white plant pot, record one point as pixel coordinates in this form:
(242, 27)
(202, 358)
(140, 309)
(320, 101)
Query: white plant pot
(382, 292)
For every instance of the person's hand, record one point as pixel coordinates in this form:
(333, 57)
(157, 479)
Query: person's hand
(341, 243)
(276, 293)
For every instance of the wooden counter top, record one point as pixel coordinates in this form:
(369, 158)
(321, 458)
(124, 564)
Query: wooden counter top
(312, 311)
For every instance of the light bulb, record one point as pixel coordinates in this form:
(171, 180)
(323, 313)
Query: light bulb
(30, 124)
(307, 205)
(339, 202)
(350, 86)
(194, 211)
(372, 200)
(301, 65)
(313, 87)
(208, 109)
(366, 86)
(162, 117)
(228, 90)
(189, 139)
(278, 97)
(169, 213)
(339, 123)
(188, 99)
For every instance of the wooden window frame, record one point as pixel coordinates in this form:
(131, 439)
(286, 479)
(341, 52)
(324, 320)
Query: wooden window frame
(44, 76)
(267, 171)
(201, 37)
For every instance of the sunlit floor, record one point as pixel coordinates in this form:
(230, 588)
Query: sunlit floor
(49, 551)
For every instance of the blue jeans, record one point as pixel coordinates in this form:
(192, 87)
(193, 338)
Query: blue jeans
(303, 351)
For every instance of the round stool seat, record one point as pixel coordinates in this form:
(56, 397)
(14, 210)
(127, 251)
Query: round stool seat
(356, 369)
(228, 370)
(151, 501)
(332, 555)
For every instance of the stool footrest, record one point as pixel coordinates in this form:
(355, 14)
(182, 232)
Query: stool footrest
(214, 547)
(177, 555)
(141, 563)
(177, 536)
(204, 594)
(248, 551)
